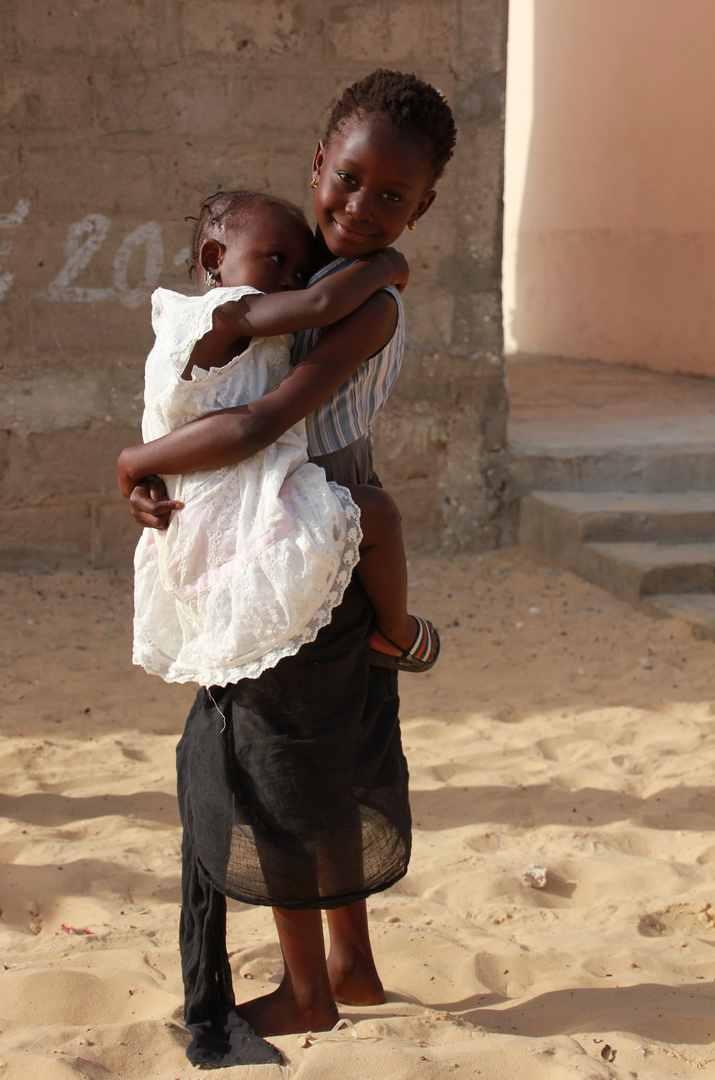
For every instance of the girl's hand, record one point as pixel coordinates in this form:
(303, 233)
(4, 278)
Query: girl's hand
(147, 494)
(149, 504)
(399, 267)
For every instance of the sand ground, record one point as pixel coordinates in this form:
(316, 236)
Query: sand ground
(560, 728)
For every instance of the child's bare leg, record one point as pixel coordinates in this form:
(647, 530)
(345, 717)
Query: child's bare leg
(304, 1000)
(382, 568)
(351, 967)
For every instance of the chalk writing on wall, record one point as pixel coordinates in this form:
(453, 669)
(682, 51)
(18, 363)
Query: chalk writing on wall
(83, 240)
(8, 222)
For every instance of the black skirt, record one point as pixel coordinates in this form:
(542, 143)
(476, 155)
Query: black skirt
(293, 792)
(293, 786)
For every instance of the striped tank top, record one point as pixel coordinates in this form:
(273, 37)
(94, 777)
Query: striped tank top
(349, 412)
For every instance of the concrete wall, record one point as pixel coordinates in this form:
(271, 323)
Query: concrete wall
(117, 118)
(610, 201)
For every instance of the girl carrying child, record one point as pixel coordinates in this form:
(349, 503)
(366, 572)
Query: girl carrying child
(300, 802)
(252, 567)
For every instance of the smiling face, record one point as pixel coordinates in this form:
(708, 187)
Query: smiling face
(372, 182)
(268, 248)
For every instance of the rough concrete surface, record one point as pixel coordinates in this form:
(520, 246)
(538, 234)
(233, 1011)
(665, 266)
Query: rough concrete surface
(578, 425)
(617, 469)
(117, 118)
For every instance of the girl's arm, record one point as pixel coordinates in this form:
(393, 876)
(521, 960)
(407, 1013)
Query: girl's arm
(321, 305)
(232, 435)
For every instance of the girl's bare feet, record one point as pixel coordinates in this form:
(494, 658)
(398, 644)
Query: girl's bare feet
(304, 1000)
(351, 967)
(281, 1013)
(354, 979)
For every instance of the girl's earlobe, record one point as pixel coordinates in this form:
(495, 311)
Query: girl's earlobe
(424, 206)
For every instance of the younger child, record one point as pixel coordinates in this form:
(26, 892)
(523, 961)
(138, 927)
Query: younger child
(260, 554)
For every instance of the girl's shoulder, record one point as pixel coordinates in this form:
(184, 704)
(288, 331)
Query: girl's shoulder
(168, 306)
(330, 268)
(179, 322)
(342, 263)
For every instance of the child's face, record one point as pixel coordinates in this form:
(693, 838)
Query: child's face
(269, 249)
(372, 182)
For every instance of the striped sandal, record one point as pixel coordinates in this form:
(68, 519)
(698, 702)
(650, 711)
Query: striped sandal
(417, 657)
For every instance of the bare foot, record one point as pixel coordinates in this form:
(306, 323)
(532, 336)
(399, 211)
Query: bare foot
(354, 979)
(280, 1013)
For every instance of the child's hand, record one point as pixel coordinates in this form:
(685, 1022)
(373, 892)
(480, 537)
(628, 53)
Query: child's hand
(399, 267)
(147, 494)
(149, 504)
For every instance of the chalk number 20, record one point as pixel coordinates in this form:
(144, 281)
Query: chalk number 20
(83, 241)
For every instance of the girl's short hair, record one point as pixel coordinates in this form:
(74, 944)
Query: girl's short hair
(235, 206)
(408, 105)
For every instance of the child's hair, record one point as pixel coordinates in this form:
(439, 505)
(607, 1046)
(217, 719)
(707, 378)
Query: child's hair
(408, 105)
(217, 209)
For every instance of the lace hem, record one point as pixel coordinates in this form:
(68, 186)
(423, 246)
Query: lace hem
(349, 559)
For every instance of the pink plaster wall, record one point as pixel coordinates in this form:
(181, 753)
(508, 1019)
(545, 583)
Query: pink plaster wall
(610, 200)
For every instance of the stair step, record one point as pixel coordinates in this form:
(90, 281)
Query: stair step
(615, 515)
(659, 467)
(635, 546)
(697, 609)
(636, 570)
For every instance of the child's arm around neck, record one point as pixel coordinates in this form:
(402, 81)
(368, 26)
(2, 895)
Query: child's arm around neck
(232, 435)
(326, 302)
(268, 314)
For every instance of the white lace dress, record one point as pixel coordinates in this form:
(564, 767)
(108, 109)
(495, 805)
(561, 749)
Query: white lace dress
(262, 552)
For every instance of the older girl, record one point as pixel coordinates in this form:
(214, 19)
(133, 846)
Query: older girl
(301, 803)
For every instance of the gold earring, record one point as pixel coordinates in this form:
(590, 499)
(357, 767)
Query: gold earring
(412, 226)
(314, 183)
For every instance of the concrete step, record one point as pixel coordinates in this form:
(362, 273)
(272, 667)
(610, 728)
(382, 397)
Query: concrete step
(547, 518)
(633, 468)
(697, 609)
(636, 570)
(635, 546)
